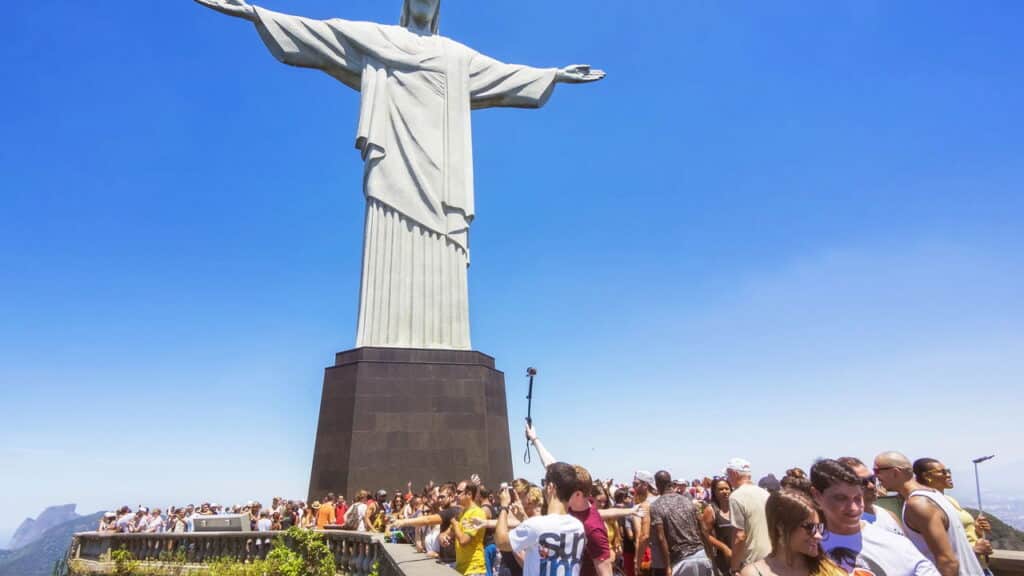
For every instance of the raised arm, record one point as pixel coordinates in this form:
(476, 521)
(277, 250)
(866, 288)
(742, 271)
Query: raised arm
(494, 83)
(545, 457)
(338, 47)
(236, 8)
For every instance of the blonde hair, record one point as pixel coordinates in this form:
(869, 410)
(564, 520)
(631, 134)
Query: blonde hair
(535, 496)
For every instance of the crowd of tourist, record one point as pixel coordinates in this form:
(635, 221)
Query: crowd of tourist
(830, 521)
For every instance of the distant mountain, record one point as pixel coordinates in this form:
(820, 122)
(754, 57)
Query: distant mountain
(31, 529)
(1004, 536)
(38, 558)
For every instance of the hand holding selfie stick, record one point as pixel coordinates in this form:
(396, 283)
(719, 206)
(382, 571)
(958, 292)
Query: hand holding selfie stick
(530, 373)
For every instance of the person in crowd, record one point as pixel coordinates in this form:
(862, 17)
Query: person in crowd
(597, 558)
(796, 484)
(935, 475)
(108, 523)
(276, 523)
(309, 520)
(718, 525)
(325, 513)
(552, 544)
(485, 499)
(770, 483)
(469, 536)
(873, 514)
(377, 511)
(857, 546)
(644, 494)
(355, 518)
(603, 501)
(287, 516)
(178, 524)
(931, 521)
(447, 511)
(125, 517)
(795, 532)
(340, 508)
(155, 523)
(624, 499)
(678, 534)
(264, 523)
(746, 509)
(697, 490)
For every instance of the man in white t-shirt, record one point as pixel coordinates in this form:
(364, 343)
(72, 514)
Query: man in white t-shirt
(853, 544)
(746, 510)
(553, 544)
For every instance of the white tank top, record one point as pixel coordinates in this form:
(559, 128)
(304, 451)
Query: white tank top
(883, 519)
(969, 565)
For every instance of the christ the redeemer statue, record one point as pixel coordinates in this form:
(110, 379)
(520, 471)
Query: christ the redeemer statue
(417, 90)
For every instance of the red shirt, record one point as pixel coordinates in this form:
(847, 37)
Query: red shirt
(597, 540)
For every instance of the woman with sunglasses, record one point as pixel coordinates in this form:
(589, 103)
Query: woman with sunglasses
(935, 475)
(795, 531)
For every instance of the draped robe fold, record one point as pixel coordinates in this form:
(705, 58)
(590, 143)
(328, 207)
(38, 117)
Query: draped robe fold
(415, 138)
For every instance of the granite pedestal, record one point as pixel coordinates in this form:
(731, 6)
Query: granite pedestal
(391, 415)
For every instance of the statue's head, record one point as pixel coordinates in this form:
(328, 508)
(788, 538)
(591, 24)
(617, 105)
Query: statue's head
(421, 11)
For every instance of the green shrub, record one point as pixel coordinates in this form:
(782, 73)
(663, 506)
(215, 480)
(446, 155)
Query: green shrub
(124, 563)
(295, 553)
(315, 557)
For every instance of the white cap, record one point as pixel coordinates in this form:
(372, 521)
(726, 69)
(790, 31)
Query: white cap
(644, 476)
(738, 465)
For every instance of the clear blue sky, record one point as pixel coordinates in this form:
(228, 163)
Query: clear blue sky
(777, 230)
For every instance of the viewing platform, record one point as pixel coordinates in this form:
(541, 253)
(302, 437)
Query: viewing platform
(355, 553)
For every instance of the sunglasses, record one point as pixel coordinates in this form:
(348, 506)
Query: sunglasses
(878, 469)
(870, 480)
(942, 471)
(813, 528)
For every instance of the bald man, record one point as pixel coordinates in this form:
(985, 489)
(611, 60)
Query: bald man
(931, 521)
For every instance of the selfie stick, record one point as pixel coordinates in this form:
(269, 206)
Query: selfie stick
(530, 372)
(977, 483)
(977, 486)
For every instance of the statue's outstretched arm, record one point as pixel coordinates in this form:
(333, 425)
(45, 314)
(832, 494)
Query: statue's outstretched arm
(236, 8)
(578, 74)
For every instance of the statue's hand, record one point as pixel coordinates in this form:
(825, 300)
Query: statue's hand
(236, 8)
(579, 73)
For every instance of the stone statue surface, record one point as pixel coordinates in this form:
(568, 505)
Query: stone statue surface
(417, 89)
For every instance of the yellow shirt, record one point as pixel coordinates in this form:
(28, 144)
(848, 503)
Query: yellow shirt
(966, 519)
(469, 558)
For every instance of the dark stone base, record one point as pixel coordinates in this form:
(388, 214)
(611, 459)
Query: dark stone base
(391, 415)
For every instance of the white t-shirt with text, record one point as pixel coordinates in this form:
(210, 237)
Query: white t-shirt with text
(553, 545)
(875, 551)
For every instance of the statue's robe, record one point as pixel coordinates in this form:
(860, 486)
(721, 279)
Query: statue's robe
(415, 138)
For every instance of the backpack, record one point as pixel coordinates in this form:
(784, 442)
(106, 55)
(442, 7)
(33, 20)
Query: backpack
(352, 517)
